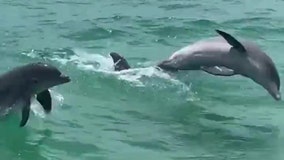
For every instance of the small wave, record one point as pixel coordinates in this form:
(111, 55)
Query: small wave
(179, 6)
(95, 34)
(246, 20)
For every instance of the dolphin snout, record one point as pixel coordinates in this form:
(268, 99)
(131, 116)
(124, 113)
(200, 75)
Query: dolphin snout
(278, 97)
(65, 78)
(274, 92)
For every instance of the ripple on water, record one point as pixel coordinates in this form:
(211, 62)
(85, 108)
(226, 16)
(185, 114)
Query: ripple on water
(73, 148)
(151, 144)
(179, 6)
(95, 34)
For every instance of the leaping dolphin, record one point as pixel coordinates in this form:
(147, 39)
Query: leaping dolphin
(227, 56)
(20, 84)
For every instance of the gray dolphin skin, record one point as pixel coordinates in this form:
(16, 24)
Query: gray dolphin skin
(120, 62)
(20, 84)
(226, 56)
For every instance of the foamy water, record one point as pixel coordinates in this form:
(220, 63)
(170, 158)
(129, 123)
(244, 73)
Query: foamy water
(57, 101)
(104, 64)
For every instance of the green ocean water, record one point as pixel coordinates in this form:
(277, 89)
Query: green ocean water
(141, 114)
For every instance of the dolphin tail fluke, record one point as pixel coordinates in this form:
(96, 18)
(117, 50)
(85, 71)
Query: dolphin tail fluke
(44, 98)
(25, 112)
(232, 41)
(218, 71)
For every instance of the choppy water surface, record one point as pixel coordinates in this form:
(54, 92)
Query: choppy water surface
(141, 113)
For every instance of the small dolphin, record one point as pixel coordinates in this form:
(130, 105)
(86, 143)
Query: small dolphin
(20, 84)
(226, 56)
(120, 63)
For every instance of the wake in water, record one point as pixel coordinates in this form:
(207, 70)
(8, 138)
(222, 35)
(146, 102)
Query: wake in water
(104, 64)
(143, 74)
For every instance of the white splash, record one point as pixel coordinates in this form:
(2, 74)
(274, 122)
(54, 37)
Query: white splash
(57, 100)
(104, 64)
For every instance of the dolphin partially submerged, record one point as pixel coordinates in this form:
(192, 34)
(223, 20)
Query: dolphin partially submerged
(20, 84)
(227, 56)
(120, 62)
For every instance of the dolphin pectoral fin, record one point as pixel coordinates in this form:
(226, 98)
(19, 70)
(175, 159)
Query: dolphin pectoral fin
(25, 112)
(218, 71)
(44, 98)
(232, 41)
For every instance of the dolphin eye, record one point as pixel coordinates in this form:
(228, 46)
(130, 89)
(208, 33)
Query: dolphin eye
(34, 80)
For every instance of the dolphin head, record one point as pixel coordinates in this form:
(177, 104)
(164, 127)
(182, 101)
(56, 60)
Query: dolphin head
(260, 67)
(263, 70)
(268, 78)
(42, 76)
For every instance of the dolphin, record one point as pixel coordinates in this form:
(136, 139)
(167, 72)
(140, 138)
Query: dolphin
(120, 62)
(224, 55)
(20, 84)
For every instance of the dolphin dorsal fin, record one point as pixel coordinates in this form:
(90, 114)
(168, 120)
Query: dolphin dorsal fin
(117, 62)
(232, 41)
